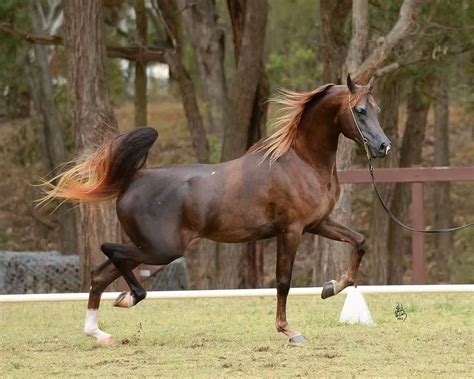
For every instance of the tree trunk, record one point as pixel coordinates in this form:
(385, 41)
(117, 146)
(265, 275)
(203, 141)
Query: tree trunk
(241, 265)
(388, 89)
(442, 215)
(332, 257)
(410, 154)
(52, 129)
(360, 34)
(207, 38)
(174, 59)
(92, 118)
(245, 82)
(333, 17)
(140, 66)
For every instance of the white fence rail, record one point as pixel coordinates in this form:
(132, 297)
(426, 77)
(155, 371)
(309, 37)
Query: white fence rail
(261, 292)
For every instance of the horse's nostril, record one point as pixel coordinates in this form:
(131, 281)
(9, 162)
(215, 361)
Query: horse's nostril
(384, 147)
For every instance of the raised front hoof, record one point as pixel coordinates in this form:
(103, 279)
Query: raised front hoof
(329, 289)
(124, 300)
(297, 340)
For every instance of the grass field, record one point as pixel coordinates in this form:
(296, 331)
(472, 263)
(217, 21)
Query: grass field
(236, 337)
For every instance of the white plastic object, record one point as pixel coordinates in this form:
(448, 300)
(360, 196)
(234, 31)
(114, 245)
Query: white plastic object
(355, 309)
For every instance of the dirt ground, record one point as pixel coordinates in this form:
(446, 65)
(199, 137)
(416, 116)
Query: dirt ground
(236, 338)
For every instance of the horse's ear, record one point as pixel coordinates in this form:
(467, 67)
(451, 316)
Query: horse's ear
(350, 84)
(371, 83)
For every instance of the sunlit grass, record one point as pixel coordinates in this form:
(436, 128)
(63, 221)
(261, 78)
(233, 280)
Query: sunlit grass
(236, 337)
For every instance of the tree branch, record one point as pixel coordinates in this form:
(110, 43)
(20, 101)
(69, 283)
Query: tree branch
(386, 44)
(360, 33)
(131, 53)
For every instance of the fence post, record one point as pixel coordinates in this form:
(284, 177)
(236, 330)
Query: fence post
(418, 239)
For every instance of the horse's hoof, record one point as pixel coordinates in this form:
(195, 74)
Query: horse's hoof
(329, 289)
(299, 339)
(124, 300)
(107, 341)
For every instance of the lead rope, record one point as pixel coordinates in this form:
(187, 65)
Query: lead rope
(382, 202)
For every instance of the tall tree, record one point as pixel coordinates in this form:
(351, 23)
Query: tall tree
(333, 15)
(92, 118)
(410, 154)
(207, 38)
(168, 13)
(140, 65)
(332, 256)
(241, 265)
(246, 79)
(388, 92)
(442, 215)
(48, 21)
(228, 265)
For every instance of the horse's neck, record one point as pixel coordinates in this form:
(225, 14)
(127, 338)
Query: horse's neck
(318, 139)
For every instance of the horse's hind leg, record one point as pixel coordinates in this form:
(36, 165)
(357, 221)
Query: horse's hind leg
(102, 276)
(334, 230)
(120, 255)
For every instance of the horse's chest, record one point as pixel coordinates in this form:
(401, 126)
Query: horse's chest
(322, 202)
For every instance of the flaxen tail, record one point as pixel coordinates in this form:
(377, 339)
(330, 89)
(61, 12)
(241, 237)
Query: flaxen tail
(101, 175)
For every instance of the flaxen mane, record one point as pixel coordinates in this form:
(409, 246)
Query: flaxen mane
(280, 142)
(295, 103)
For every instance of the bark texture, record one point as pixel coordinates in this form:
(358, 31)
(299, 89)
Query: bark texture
(245, 82)
(207, 38)
(442, 216)
(241, 265)
(140, 66)
(410, 155)
(53, 138)
(388, 93)
(92, 118)
(401, 29)
(333, 17)
(131, 53)
(360, 34)
(333, 257)
(174, 57)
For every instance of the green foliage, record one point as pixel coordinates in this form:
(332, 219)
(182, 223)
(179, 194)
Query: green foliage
(296, 69)
(23, 147)
(117, 82)
(12, 78)
(292, 44)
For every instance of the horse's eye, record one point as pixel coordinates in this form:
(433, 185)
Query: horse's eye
(361, 110)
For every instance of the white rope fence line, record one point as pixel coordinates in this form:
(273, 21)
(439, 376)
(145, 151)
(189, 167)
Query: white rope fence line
(260, 292)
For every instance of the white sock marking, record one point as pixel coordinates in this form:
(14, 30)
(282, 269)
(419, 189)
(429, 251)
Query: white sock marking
(90, 326)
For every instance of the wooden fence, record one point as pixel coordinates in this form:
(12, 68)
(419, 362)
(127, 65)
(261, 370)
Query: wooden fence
(417, 177)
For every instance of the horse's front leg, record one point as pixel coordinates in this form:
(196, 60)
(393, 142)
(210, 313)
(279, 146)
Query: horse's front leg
(287, 244)
(334, 230)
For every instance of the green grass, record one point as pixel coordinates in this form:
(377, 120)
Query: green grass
(236, 337)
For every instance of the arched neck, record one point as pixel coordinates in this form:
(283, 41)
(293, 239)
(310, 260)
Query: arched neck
(318, 134)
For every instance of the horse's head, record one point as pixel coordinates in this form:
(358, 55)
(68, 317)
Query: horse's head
(359, 116)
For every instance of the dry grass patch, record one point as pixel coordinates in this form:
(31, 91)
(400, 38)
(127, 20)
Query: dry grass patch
(236, 337)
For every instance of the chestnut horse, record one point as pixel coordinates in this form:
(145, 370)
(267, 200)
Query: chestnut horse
(284, 186)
